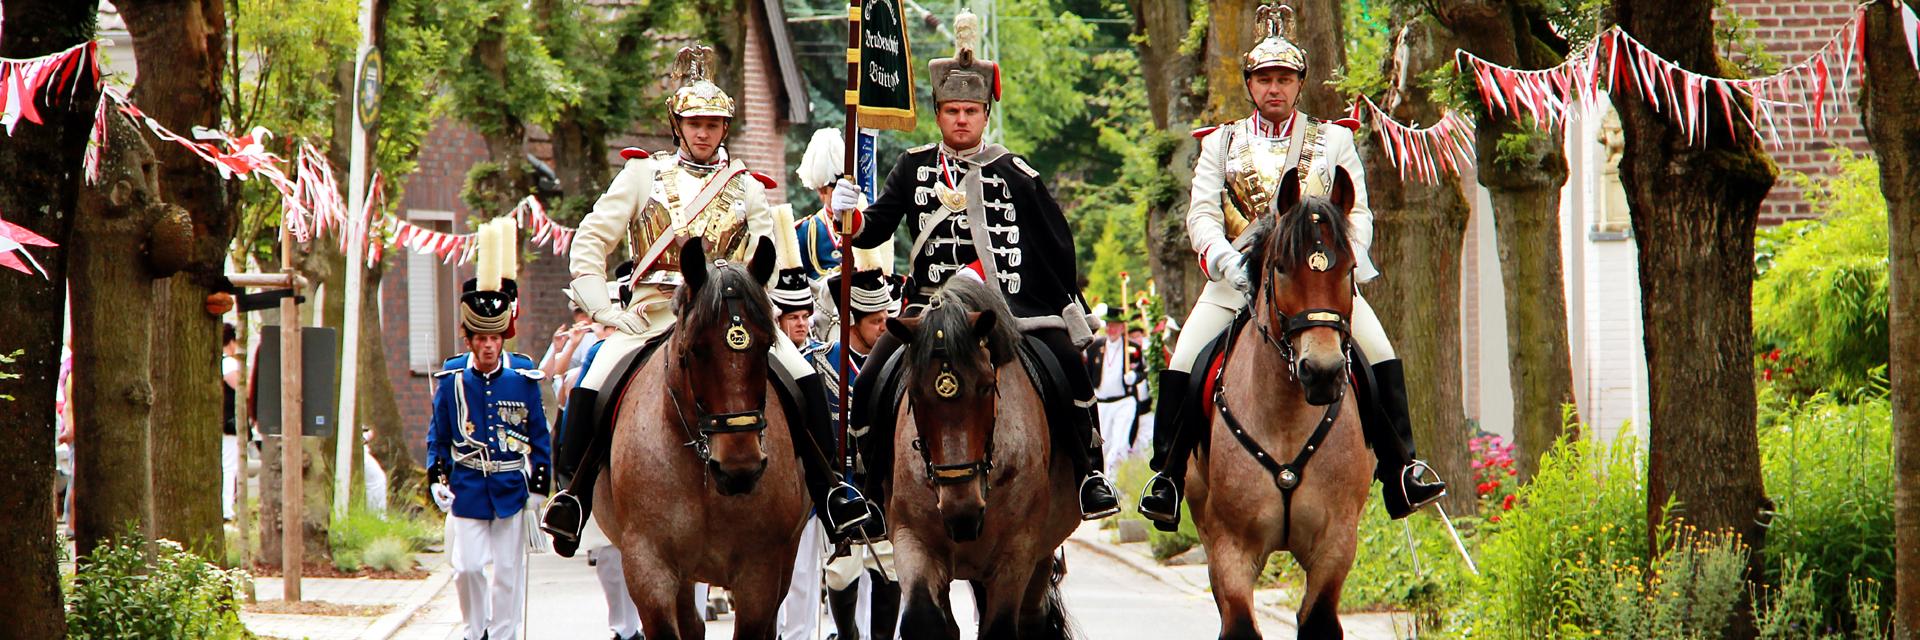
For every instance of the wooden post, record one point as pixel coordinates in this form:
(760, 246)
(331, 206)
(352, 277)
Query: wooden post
(243, 434)
(851, 136)
(291, 511)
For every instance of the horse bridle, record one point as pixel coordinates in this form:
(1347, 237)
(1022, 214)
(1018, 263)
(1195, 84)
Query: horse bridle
(960, 472)
(708, 424)
(1287, 477)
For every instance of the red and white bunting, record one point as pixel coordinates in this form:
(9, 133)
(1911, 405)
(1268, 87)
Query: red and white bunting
(1427, 153)
(530, 214)
(24, 82)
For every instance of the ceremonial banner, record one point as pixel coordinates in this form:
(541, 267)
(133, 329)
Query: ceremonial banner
(886, 67)
(866, 167)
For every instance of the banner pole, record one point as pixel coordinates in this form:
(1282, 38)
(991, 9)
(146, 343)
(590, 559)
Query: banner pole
(851, 134)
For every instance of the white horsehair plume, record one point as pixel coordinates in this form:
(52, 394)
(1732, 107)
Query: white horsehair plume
(509, 246)
(966, 31)
(786, 241)
(880, 257)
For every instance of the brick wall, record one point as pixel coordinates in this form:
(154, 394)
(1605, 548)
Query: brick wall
(1791, 31)
(760, 140)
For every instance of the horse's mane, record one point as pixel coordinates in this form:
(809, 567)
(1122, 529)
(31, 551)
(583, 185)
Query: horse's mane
(707, 307)
(946, 318)
(1289, 237)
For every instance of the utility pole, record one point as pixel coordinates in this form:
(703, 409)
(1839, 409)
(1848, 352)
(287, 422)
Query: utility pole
(359, 232)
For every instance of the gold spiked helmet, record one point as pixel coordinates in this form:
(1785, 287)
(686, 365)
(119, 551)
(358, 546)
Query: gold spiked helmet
(1274, 23)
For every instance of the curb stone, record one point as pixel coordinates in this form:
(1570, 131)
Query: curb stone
(390, 624)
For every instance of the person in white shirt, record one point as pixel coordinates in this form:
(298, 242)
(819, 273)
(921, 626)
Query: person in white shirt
(1114, 363)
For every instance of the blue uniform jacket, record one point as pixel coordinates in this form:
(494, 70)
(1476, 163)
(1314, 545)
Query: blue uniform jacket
(819, 252)
(495, 417)
(515, 359)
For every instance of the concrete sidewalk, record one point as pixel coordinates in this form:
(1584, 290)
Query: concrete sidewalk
(1275, 606)
(376, 609)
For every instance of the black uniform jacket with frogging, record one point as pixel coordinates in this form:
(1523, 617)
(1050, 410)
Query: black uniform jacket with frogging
(1009, 214)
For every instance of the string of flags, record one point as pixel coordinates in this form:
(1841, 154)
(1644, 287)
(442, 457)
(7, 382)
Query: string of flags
(1422, 153)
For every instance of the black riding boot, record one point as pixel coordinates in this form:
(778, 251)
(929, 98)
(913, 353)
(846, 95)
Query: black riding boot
(568, 510)
(844, 605)
(1392, 438)
(842, 508)
(1097, 497)
(1160, 499)
(886, 604)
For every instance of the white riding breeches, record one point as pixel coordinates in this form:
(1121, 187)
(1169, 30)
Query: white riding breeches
(785, 354)
(1220, 302)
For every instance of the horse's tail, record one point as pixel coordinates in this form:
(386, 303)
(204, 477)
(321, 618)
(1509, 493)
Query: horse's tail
(1058, 626)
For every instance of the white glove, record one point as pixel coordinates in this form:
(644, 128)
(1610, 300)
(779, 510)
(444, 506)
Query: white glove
(534, 500)
(625, 321)
(590, 292)
(1226, 265)
(442, 497)
(846, 196)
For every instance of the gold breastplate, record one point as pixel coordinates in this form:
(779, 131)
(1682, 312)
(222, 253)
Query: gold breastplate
(724, 229)
(1253, 169)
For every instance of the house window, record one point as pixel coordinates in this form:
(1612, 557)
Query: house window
(430, 290)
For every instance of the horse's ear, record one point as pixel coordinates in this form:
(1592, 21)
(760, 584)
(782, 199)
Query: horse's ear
(1343, 193)
(982, 323)
(1289, 192)
(760, 266)
(903, 328)
(693, 264)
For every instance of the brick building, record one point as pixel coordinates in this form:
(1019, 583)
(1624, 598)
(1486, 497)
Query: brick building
(419, 323)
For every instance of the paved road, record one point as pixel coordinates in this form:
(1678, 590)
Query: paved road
(1107, 600)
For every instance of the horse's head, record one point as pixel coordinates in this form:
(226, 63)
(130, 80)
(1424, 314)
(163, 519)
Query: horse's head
(719, 385)
(1301, 267)
(954, 353)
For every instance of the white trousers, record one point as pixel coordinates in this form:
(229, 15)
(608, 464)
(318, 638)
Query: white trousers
(490, 606)
(800, 610)
(376, 484)
(1116, 421)
(785, 355)
(1219, 302)
(623, 618)
(229, 472)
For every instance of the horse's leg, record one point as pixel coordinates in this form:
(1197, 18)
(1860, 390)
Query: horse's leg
(1041, 614)
(1232, 567)
(693, 625)
(757, 593)
(1326, 563)
(924, 606)
(656, 594)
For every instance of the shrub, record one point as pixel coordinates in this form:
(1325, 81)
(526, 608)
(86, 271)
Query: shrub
(1827, 467)
(353, 539)
(1820, 298)
(1586, 507)
(389, 554)
(1495, 481)
(1689, 592)
(116, 593)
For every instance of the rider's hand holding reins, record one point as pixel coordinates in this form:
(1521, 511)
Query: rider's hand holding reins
(1223, 264)
(591, 292)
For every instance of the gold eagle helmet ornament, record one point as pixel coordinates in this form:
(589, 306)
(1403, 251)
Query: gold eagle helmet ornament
(1274, 22)
(697, 95)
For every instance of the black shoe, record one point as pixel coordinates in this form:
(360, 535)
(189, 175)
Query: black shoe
(1160, 502)
(1408, 493)
(563, 522)
(1097, 497)
(849, 513)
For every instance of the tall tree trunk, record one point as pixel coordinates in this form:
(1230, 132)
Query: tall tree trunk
(1418, 231)
(1694, 210)
(579, 154)
(41, 193)
(1892, 90)
(179, 47)
(1160, 29)
(1525, 192)
(1321, 30)
(123, 239)
(379, 411)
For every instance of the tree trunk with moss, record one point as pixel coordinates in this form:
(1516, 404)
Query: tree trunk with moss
(1892, 91)
(378, 409)
(1523, 168)
(1418, 231)
(1695, 205)
(179, 48)
(1167, 59)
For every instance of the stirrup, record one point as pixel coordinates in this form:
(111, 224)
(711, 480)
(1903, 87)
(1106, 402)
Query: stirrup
(580, 521)
(866, 513)
(1112, 509)
(1415, 469)
(1146, 493)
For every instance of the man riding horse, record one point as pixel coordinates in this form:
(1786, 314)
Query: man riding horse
(1234, 181)
(657, 203)
(979, 210)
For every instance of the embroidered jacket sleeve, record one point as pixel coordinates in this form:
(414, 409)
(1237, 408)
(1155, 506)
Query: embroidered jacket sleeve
(540, 458)
(1054, 246)
(602, 230)
(440, 427)
(759, 215)
(1337, 147)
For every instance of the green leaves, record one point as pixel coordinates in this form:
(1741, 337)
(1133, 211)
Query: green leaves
(1820, 300)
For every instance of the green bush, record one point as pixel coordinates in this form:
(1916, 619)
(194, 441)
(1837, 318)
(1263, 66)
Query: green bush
(354, 539)
(1820, 298)
(116, 593)
(1689, 592)
(1585, 508)
(1828, 467)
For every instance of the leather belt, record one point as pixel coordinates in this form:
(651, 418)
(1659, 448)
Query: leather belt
(490, 467)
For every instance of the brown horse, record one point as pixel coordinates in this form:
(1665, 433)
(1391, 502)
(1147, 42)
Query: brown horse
(1252, 490)
(693, 497)
(979, 490)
